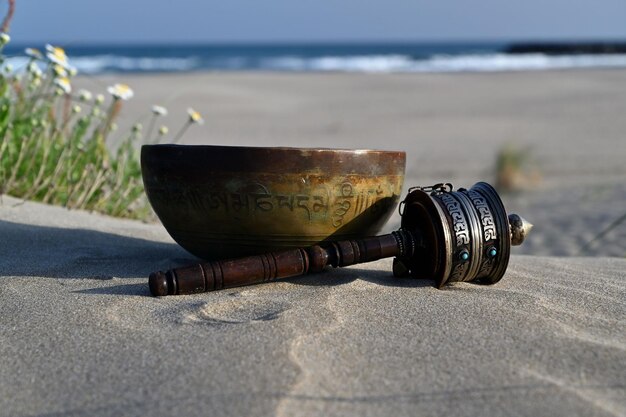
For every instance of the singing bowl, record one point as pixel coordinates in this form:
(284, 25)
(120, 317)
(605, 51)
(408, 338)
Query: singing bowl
(222, 202)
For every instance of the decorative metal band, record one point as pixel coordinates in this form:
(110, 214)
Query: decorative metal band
(459, 222)
(489, 232)
(476, 241)
(486, 218)
(502, 243)
(461, 235)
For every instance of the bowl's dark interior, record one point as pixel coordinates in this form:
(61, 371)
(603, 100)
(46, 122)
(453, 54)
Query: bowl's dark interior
(197, 158)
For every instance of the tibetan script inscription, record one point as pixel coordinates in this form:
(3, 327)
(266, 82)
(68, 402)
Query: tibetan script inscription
(339, 205)
(458, 219)
(252, 199)
(486, 218)
(354, 202)
(342, 204)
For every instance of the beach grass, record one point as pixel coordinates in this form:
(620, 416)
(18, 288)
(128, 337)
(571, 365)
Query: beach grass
(56, 144)
(515, 168)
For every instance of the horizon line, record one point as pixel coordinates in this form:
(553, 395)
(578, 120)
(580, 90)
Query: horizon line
(321, 42)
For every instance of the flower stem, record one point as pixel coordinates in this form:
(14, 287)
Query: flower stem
(6, 23)
(181, 132)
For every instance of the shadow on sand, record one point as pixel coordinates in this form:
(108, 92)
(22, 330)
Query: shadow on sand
(53, 252)
(50, 252)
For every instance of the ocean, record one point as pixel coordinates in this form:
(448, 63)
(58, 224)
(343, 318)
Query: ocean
(334, 57)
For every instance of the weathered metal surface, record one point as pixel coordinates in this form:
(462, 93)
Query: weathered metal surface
(221, 202)
(469, 233)
(446, 235)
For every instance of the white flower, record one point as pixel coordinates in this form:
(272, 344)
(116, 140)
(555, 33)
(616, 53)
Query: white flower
(8, 68)
(120, 91)
(33, 68)
(159, 110)
(64, 84)
(84, 95)
(33, 53)
(72, 71)
(137, 127)
(99, 99)
(163, 130)
(57, 55)
(4, 38)
(194, 116)
(59, 71)
(76, 109)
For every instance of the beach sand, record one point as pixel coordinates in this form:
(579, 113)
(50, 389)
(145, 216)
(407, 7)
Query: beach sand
(80, 335)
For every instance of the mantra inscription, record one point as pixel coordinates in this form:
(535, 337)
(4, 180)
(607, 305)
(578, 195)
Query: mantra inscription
(336, 204)
(459, 223)
(486, 219)
(461, 232)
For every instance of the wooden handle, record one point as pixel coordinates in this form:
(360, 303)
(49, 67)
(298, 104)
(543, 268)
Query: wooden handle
(211, 276)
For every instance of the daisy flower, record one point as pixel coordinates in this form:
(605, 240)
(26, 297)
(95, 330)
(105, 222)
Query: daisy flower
(120, 92)
(59, 71)
(33, 53)
(57, 55)
(64, 84)
(84, 95)
(33, 68)
(159, 110)
(4, 38)
(194, 116)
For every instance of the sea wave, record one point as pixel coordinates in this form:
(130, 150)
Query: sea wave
(114, 63)
(445, 63)
(385, 63)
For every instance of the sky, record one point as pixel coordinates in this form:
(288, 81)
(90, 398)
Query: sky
(223, 21)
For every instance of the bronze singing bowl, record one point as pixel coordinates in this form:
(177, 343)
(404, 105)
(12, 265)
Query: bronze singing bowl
(228, 201)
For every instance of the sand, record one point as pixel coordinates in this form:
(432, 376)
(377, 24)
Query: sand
(80, 335)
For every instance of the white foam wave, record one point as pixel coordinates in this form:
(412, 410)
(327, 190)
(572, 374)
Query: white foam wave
(106, 63)
(446, 63)
(367, 63)
(521, 62)
(96, 64)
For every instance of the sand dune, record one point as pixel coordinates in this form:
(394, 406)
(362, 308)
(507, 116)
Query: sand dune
(85, 338)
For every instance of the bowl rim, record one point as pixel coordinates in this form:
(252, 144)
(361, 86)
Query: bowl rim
(278, 148)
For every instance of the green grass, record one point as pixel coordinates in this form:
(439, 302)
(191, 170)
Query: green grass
(515, 169)
(55, 144)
